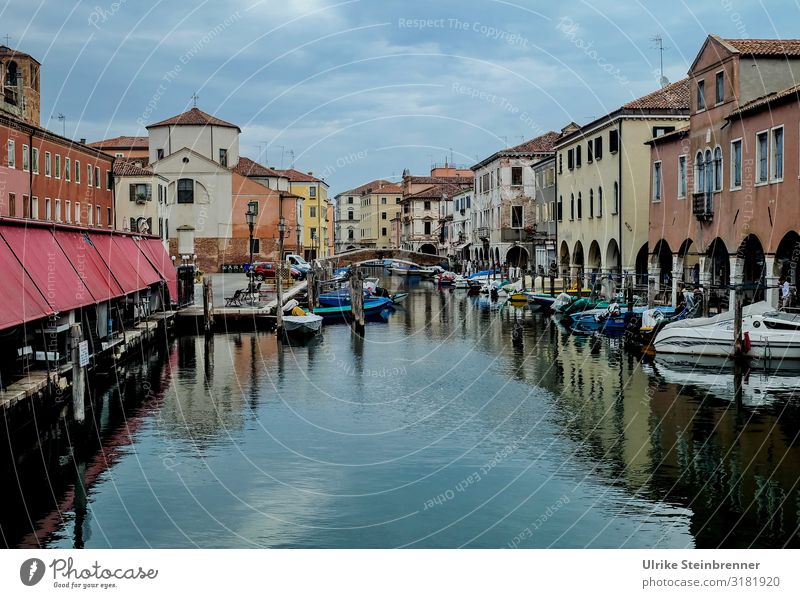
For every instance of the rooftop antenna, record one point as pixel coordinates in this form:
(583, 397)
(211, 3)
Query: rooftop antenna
(8, 40)
(291, 158)
(265, 152)
(282, 148)
(195, 97)
(451, 156)
(63, 120)
(659, 41)
(505, 139)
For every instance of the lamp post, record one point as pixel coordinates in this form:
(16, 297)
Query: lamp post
(252, 211)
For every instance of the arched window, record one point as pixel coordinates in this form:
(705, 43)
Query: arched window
(580, 205)
(615, 203)
(709, 165)
(599, 202)
(11, 74)
(560, 208)
(591, 203)
(717, 169)
(572, 206)
(699, 173)
(185, 191)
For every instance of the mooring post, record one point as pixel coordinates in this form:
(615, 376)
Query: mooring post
(208, 305)
(357, 299)
(311, 287)
(78, 379)
(738, 306)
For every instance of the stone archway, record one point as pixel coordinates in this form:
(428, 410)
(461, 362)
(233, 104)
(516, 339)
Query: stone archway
(517, 256)
(751, 268)
(787, 257)
(661, 265)
(641, 266)
(428, 249)
(564, 259)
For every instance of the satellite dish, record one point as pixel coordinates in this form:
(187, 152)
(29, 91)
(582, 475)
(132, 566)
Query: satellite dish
(664, 81)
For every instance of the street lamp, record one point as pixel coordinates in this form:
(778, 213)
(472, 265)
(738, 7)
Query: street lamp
(250, 215)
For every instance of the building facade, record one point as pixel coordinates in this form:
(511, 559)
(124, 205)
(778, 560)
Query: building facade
(603, 182)
(141, 198)
(317, 236)
(379, 204)
(461, 225)
(544, 237)
(20, 74)
(723, 207)
(125, 147)
(505, 202)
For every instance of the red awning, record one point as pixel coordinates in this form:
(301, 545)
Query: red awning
(158, 256)
(128, 265)
(145, 272)
(90, 265)
(48, 266)
(21, 300)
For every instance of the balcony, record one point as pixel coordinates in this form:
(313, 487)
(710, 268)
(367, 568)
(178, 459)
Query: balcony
(482, 232)
(703, 206)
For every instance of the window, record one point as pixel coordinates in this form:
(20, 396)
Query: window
(591, 203)
(383, 232)
(35, 208)
(661, 131)
(720, 87)
(699, 173)
(516, 216)
(48, 209)
(159, 154)
(599, 202)
(572, 206)
(185, 191)
(578, 157)
(580, 205)
(350, 214)
(613, 141)
(708, 167)
(26, 207)
(312, 191)
(110, 181)
(26, 159)
(312, 212)
(615, 199)
(598, 148)
(67, 172)
(701, 95)
(77, 171)
(223, 159)
(47, 164)
(89, 215)
(383, 215)
(35, 160)
(560, 208)
(350, 200)
(58, 166)
(717, 169)
(139, 192)
(516, 176)
(12, 205)
(427, 227)
(97, 176)
(12, 154)
(397, 200)
(427, 205)
(77, 213)
(68, 210)
(656, 181)
(99, 216)
(570, 159)
(761, 157)
(681, 176)
(350, 233)
(736, 164)
(776, 155)
(109, 220)
(589, 152)
(560, 163)
(89, 175)
(383, 201)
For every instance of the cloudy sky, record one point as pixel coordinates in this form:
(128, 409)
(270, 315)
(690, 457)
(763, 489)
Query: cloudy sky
(361, 89)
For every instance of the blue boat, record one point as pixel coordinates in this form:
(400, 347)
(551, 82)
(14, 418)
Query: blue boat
(340, 298)
(611, 320)
(378, 307)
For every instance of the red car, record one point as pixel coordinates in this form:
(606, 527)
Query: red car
(262, 270)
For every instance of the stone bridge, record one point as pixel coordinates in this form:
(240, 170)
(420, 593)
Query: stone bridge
(358, 256)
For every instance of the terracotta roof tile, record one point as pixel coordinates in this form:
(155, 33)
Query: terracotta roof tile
(435, 180)
(248, 167)
(542, 143)
(133, 167)
(436, 191)
(766, 47)
(378, 185)
(122, 142)
(296, 176)
(195, 116)
(768, 99)
(674, 96)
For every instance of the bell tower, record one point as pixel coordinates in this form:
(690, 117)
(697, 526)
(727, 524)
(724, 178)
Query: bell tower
(19, 75)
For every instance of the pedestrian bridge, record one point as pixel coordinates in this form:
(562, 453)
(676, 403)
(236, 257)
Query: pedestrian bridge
(359, 256)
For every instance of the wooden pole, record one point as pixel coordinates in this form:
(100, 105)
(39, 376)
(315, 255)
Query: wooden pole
(738, 349)
(78, 379)
(357, 299)
(311, 288)
(208, 305)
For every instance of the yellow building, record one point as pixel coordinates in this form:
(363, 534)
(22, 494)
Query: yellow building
(317, 234)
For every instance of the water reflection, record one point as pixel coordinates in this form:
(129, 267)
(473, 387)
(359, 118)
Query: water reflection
(346, 441)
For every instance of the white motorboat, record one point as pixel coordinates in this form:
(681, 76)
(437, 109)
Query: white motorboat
(413, 271)
(767, 334)
(307, 325)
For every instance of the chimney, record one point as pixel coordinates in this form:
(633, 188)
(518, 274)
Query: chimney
(83, 140)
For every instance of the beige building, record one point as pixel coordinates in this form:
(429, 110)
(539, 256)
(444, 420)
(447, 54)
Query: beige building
(603, 185)
(379, 204)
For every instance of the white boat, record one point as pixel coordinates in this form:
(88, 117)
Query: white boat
(414, 271)
(767, 334)
(307, 325)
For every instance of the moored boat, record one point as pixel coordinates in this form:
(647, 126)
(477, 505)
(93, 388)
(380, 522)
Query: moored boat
(302, 326)
(372, 308)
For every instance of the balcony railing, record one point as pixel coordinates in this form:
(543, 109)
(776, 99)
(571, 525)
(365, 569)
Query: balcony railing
(703, 206)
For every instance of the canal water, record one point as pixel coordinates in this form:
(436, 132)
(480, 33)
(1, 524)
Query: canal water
(435, 430)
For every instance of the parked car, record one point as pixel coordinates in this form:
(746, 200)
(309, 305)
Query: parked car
(298, 262)
(262, 270)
